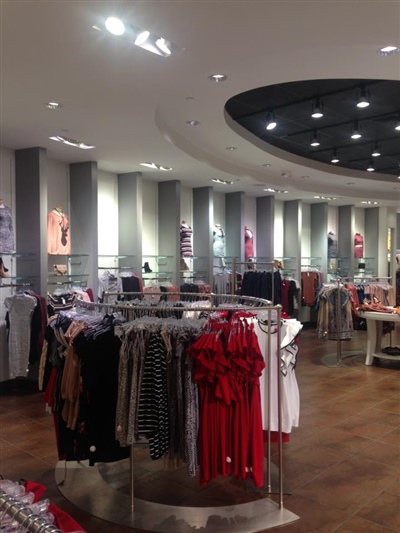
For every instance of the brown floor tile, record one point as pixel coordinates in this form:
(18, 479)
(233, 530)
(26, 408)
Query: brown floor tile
(393, 437)
(359, 525)
(382, 452)
(361, 425)
(392, 405)
(383, 510)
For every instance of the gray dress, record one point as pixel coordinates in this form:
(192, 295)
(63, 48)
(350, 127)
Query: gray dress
(6, 231)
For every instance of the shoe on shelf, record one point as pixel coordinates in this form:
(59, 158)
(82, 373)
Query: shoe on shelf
(146, 268)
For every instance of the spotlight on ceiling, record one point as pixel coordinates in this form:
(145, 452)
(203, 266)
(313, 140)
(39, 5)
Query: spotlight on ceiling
(314, 139)
(397, 127)
(356, 132)
(115, 26)
(335, 158)
(271, 122)
(389, 50)
(376, 151)
(363, 100)
(371, 167)
(317, 109)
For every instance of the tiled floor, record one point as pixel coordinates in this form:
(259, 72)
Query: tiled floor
(342, 464)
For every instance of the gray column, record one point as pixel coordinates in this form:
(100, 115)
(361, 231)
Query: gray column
(371, 238)
(234, 222)
(292, 223)
(203, 221)
(130, 196)
(319, 234)
(346, 231)
(83, 217)
(265, 227)
(31, 220)
(169, 213)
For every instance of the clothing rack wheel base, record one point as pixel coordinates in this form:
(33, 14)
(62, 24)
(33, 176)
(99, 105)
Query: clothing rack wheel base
(85, 487)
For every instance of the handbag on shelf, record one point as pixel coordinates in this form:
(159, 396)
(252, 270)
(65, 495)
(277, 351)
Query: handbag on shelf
(60, 270)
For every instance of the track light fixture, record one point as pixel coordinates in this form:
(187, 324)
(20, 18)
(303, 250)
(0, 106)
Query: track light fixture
(335, 158)
(397, 127)
(271, 122)
(356, 132)
(317, 109)
(315, 139)
(376, 151)
(363, 100)
(371, 167)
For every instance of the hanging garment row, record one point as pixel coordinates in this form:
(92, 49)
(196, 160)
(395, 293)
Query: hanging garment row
(112, 383)
(263, 285)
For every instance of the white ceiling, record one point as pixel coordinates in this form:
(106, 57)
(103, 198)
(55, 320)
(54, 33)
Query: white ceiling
(133, 105)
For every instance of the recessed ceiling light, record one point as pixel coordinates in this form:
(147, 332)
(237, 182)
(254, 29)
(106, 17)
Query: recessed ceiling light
(53, 105)
(389, 50)
(397, 127)
(370, 167)
(325, 197)
(115, 26)
(223, 182)
(217, 77)
(72, 142)
(351, 183)
(277, 191)
(164, 45)
(305, 177)
(267, 165)
(192, 122)
(155, 166)
(369, 202)
(139, 37)
(231, 148)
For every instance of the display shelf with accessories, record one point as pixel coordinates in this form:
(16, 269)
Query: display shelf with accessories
(15, 268)
(364, 266)
(338, 267)
(157, 266)
(311, 262)
(67, 269)
(119, 263)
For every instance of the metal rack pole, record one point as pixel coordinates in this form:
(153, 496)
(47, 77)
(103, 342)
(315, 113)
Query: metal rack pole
(338, 322)
(29, 521)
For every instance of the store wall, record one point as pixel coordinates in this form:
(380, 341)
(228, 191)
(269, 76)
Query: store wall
(107, 215)
(359, 220)
(306, 231)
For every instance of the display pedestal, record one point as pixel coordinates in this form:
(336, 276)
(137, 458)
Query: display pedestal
(93, 489)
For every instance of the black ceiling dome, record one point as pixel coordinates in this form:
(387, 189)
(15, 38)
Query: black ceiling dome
(291, 105)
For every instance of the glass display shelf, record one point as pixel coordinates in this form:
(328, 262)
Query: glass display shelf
(17, 254)
(68, 255)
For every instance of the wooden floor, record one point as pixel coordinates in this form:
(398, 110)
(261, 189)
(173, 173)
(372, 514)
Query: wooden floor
(342, 464)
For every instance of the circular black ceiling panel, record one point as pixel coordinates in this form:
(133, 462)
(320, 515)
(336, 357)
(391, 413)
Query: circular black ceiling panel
(291, 106)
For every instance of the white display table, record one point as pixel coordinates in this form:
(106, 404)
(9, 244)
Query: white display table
(374, 334)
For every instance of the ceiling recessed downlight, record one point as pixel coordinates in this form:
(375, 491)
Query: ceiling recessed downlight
(217, 77)
(142, 37)
(277, 191)
(315, 140)
(223, 182)
(192, 122)
(72, 142)
(231, 148)
(155, 166)
(389, 50)
(115, 26)
(317, 111)
(53, 105)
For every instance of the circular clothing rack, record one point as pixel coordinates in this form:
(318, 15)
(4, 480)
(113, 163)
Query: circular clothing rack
(107, 490)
